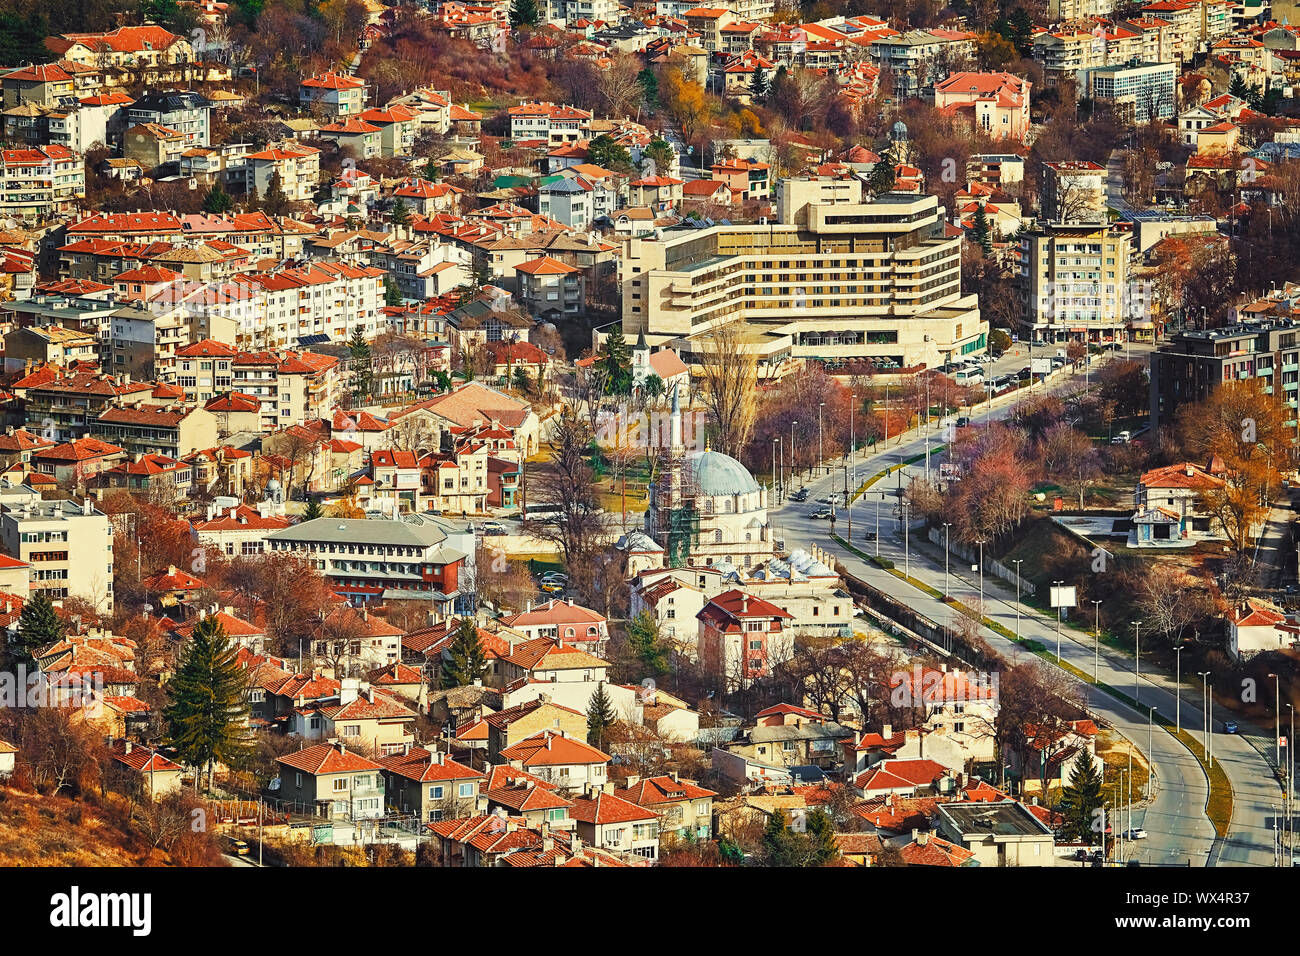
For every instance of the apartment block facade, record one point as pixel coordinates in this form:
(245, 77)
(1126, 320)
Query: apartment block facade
(833, 281)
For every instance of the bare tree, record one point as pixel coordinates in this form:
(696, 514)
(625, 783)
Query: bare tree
(567, 485)
(728, 377)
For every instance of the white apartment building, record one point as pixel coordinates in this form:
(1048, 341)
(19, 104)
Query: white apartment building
(36, 184)
(555, 124)
(68, 544)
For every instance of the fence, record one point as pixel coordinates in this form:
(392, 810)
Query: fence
(991, 565)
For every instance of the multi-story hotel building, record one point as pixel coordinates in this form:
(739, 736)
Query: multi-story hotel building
(835, 279)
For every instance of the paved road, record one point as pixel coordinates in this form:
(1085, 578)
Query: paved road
(1175, 819)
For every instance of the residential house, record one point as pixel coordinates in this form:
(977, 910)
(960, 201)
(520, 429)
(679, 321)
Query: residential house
(330, 781)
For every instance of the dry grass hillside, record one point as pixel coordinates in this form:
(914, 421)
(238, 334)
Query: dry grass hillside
(37, 830)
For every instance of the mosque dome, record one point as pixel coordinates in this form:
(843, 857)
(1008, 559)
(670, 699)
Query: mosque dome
(715, 474)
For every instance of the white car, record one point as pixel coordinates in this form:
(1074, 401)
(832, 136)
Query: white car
(1137, 833)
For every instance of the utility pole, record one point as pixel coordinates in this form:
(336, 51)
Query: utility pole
(946, 526)
(1058, 624)
(1137, 662)
(1017, 562)
(1096, 641)
(821, 457)
(1277, 721)
(1178, 689)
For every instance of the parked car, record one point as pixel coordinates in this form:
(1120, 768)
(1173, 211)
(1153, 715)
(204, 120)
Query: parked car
(1229, 726)
(821, 514)
(492, 527)
(963, 421)
(236, 847)
(1137, 833)
(1122, 438)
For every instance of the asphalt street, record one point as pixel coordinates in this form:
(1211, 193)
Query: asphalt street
(1178, 829)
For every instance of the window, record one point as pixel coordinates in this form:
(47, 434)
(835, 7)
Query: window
(297, 780)
(340, 784)
(435, 793)
(351, 730)
(466, 790)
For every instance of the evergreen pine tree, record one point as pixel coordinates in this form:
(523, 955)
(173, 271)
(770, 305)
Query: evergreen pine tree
(600, 717)
(883, 174)
(758, 85)
(981, 234)
(392, 294)
(313, 510)
(522, 380)
(400, 214)
(38, 626)
(275, 202)
(208, 709)
(617, 359)
(1082, 797)
(468, 662)
(821, 838)
(643, 641)
(362, 374)
(217, 200)
(523, 13)
(778, 840)
(649, 87)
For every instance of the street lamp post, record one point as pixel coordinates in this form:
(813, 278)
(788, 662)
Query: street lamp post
(1207, 700)
(1137, 662)
(1058, 624)
(946, 526)
(882, 498)
(1151, 741)
(1277, 721)
(775, 442)
(791, 450)
(907, 554)
(1096, 641)
(821, 458)
(1178, 689)
(1017, 562)
(980, 542)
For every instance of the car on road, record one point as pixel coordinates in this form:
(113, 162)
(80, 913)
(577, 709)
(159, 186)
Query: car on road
(869, 536)
(1026, 372)
(832, 499)
(1229, 726)
(1137, 833)
(237, 847)
(492, 527)
(552, 587)
(1122, 438)
(821, 514)
(800, 495)
(963, 421)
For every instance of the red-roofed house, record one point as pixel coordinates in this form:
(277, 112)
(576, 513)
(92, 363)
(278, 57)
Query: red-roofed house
(337, 94)
(431, 784)
(566, 762)
(1255, 626)
(741, 638)
(157, 775)
(328, 780)
(997, 102)
(685, 810)
(615, 824)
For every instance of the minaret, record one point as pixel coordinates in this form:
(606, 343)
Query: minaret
(675, 424)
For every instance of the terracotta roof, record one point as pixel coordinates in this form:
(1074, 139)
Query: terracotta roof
(326, 758)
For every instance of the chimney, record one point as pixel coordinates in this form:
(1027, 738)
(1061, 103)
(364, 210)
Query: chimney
(343, 748)
(86, 507)
(633, 780)
(922, 838)
(126, 747)
(887, 731)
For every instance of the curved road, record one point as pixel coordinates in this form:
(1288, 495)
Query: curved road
(1175, 820)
